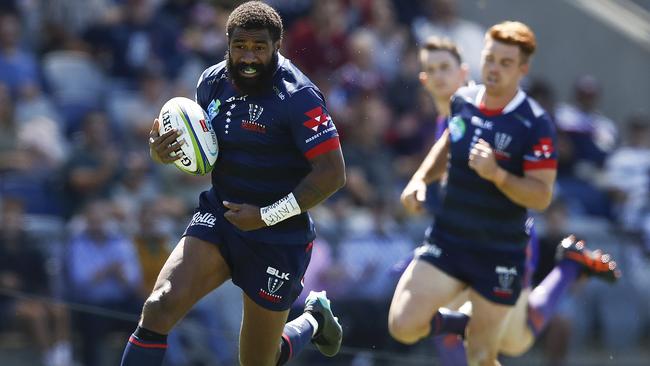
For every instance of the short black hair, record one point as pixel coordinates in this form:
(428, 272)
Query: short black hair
(255, 15)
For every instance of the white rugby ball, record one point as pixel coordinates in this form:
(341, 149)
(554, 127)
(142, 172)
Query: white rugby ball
(198, 141)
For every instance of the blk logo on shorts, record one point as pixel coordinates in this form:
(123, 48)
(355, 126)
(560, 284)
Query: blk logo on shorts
(273, 284)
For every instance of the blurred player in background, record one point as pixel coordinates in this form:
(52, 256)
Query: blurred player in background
(498, 148)
(279, 156)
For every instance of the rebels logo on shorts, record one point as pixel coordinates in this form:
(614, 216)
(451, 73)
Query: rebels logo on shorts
(273, 284)
(506, 278)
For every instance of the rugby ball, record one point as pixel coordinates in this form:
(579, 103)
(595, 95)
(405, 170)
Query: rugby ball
(198, 142)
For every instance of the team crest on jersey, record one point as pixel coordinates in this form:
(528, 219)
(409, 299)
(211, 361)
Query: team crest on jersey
(254, 112)
(251, 124)
(213, 108)
(501, 143)
(457, 128)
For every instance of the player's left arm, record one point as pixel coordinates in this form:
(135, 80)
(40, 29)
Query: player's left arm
(326, 177)
(533, 190)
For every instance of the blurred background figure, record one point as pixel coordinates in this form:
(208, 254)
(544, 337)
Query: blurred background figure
(25, 288)
(103, 272)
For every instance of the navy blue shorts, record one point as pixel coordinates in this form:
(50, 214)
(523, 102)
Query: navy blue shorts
(270, 274)
(498, 275)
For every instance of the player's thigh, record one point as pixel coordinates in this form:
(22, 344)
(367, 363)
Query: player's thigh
(422, 289)
(517, 337)
(458, 300)
(485, 329)
(194, 268)
(261, 332)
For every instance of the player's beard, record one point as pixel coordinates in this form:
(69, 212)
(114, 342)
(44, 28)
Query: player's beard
(257, 85)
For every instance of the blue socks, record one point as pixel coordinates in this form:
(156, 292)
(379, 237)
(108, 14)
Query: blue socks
(297, 333)
(450, 350)
(145, 348)
(544, 298)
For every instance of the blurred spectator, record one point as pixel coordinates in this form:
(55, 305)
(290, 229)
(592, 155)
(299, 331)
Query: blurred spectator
(135, 110)
(593, 135)
(585, 139)
(135, 42)
(76, 82)
(367, 256)
(627, 175)
(360, 74)
(317, 43)
(134, 191)
(441, 19)
(78, 15)
(152, 242)
(31, 153)
(18, 67)
(94, 163)
(103, 271)
(203, 34)
(390, 39)
(369, 162)
(22, 275)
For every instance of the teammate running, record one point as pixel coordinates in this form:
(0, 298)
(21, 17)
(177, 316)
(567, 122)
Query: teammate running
(478, 241)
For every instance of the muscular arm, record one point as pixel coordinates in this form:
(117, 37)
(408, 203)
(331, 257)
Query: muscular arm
(326, 177)
(434, 164)
(533, 190)
(431, 169)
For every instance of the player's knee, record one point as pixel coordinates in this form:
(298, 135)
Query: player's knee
(403, 330)
(516, 346)
(160, 307)
(480, 355)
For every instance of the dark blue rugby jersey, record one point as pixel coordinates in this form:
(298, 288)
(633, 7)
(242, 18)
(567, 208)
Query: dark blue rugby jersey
(265, 143)
(474, 212)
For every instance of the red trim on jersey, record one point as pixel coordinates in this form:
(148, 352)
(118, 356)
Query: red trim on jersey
(489, 112)
(286, 338)
(323, 147)
(133, 340)
(541, 164)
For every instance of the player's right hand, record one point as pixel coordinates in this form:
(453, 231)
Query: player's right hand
(162, 146)
(414, 195)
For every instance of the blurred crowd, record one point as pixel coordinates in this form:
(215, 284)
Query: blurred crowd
(87, 219)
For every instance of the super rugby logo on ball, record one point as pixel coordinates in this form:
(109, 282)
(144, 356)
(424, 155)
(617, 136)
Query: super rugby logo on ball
(198, 146)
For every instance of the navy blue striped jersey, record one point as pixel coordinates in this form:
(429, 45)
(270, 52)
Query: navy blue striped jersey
(474, 212)
(265, 143)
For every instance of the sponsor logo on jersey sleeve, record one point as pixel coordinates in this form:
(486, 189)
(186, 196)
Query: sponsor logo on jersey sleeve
(457, 128)
(544, 149)
(317, 117)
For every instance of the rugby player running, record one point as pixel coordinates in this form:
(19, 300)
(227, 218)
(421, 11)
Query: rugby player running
(279, 157)
(498, 153)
